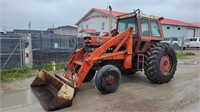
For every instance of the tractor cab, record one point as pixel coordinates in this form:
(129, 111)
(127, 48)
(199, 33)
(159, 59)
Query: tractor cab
(146, 29)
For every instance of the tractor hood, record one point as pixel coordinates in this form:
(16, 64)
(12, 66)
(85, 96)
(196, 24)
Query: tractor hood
(95, 40)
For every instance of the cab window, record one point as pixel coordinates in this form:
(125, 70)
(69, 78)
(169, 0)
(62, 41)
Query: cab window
(144, 27)
(155, 29)
(123, 24)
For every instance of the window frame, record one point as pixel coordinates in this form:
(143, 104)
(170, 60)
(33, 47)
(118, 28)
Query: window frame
(158, 28)
(148, 27)
(136, 24)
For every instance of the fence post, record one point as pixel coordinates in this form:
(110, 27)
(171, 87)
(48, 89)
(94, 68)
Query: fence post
(171, 41)
(182, 39)
(20, 50)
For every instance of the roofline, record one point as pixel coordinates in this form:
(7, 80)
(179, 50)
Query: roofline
(180, 25)
(90, 11)
(67, 26)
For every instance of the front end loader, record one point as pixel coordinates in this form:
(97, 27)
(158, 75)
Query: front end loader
(133, 46)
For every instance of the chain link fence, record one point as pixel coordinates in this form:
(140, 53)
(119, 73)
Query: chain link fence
(11, 51)
(17, 51)
(50, 47)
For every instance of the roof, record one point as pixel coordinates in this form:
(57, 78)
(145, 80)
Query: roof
(114, 13)
(88, 31)
(68, 26)
(176, 22)
(62, 27)
(27, 31)
(164, 21)
(196, 23)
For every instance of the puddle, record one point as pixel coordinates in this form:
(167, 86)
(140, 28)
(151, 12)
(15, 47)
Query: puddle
(10, 100)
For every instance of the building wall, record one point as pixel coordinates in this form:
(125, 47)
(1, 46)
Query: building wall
(95, 21)
(179, 31)
(65, 31)
(197, 32)
(174, 31)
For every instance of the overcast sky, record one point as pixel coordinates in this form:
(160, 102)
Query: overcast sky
(15, 14)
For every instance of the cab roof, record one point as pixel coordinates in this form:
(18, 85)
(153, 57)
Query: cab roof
(128, 15)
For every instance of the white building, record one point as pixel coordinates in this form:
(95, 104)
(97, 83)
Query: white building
(2, 29)
(96, 20)
(176, 28)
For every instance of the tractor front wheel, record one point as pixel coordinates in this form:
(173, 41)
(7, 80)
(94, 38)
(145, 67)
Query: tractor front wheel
(108, 79)
(160, 63)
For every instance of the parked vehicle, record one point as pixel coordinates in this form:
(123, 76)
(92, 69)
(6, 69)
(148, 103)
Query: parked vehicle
(193, 42)
(174, 41)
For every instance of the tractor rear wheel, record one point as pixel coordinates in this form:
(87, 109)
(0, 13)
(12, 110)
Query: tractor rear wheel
(160, 63)
(108, 79)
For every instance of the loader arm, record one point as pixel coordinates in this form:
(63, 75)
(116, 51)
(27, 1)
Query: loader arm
(125, 38)
(56, 92)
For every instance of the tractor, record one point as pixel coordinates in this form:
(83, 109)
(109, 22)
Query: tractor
(133, 46)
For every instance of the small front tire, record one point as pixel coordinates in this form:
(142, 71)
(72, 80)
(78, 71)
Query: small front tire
(108, 79)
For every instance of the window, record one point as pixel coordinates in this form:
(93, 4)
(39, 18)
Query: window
(123, 24)
(144, 27)
(193, 39)
(155, 29)
(175, 39)
(103, 25)
(168, 27)
(81, 26)
(87, 26)
(166, 39)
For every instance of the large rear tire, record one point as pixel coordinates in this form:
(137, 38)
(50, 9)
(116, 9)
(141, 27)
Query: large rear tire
(108, 79)
(160, 63)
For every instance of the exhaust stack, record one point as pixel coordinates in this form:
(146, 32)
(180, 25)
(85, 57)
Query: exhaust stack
(110, 20)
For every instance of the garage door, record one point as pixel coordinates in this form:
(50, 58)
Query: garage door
(190, 32)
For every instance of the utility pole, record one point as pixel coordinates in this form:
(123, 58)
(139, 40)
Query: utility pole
(52, 25)
(30, 52)
(29, 26)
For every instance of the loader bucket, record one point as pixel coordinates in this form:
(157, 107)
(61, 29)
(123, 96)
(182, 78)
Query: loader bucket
(52, 93)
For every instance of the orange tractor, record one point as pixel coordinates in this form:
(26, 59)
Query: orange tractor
(133, 46)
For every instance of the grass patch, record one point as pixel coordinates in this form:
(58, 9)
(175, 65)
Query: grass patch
(182, 55)
(20, 73)
(48, 67)
(15, 73)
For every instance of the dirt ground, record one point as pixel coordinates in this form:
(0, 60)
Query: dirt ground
(135, 93)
